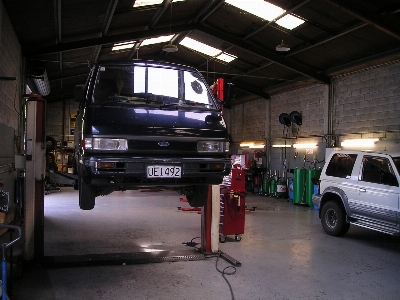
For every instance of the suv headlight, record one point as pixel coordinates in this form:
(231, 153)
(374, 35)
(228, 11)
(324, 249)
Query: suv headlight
(106, 144)
(212, 146)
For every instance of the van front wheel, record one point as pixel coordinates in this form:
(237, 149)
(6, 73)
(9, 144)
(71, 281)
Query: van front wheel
(198, 196)
(87, 193)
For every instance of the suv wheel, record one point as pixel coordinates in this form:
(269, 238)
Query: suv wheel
(333, 219)
(87, 193)
(198, 196)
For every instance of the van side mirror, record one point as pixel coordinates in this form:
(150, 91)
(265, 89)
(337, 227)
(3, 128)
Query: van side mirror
(79, 93)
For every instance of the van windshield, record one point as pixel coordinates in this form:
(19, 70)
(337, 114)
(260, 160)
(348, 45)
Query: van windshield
(151, 85)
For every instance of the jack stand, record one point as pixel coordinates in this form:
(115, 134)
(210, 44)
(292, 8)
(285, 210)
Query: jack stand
(251, 209)
(190, 209)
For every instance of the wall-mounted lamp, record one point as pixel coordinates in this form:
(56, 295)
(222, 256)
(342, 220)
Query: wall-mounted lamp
(256, 146)
(281, 146)
(246, 144)
(305, 146)
(357, 143)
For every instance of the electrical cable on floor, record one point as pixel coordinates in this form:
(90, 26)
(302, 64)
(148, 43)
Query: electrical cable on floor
(191, 243)
(223, 272)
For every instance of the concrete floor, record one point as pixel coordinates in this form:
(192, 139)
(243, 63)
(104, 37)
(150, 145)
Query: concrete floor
(284, 254)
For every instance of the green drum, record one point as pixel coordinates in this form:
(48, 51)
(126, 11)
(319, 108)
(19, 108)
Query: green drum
(272, 188)
(310, 175)
(265, 187)
(299, 186)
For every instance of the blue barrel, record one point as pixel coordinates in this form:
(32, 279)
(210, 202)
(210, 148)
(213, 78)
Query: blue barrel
(291, 190)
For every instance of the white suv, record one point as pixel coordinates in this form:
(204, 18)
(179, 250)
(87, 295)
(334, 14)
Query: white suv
(360, 188)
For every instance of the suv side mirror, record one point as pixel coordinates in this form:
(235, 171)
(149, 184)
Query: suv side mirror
(79, 93)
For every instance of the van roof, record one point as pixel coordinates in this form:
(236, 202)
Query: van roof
(145, 62)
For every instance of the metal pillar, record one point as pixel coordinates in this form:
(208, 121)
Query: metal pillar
(35, 177)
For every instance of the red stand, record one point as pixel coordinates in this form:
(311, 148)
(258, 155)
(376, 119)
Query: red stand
(232, 207)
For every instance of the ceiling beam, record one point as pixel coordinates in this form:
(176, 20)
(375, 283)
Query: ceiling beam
(104, 28)
(264, 53)
(357, 11)
(30, 51)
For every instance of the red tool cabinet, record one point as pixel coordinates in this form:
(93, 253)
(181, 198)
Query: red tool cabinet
(232, 206)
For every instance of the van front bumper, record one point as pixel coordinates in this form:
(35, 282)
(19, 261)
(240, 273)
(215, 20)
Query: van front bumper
(133, 171)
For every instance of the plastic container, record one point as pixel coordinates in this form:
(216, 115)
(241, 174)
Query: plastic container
(299, 179)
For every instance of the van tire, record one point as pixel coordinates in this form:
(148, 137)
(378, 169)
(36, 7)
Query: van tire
(87, 193)
(198, 197)
(333, 219)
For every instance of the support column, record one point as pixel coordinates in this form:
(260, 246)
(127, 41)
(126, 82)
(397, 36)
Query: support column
(210, 215)
(35, 177)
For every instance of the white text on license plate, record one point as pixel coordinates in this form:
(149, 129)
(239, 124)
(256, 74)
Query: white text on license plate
(163, 172)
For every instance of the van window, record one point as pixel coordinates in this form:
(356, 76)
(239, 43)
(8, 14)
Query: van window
(162, 84)
(341, 165)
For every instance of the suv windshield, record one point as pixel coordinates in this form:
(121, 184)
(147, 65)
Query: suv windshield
(150, 85)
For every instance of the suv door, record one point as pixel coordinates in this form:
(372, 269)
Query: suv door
(378, 190)
(342, 172)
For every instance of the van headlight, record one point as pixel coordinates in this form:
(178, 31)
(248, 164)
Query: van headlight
(212, 146)
(105, 144)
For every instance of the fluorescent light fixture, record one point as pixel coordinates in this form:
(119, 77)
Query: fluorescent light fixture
(122, 46)
(139, 3)
(157, 40)
(281, 146)
(357, 143)
(246, 144)
(267, 11)
(226, 57)
(305, 146)
(289, 22)
(256, 146)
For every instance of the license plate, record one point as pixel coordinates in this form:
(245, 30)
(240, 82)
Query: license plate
(163, 172)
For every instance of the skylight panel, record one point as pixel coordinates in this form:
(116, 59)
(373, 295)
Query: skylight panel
(123, 46)
(207, 50)
(226, 57)
(200, 47)
(157, 40)
(259, 8)
(140, 3)
(289, 22)
(267, 11)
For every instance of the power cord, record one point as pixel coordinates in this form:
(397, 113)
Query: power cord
(224, 272)
(191, 243)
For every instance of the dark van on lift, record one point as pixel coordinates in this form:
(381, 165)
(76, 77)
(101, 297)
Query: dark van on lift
(147, 124)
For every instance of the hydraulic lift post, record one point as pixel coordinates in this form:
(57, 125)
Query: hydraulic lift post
(210, 222)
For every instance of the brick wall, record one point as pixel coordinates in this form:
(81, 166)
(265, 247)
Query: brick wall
(58, 119)
(368, 102)
(10, 66)
(10, 99)
(365, 104)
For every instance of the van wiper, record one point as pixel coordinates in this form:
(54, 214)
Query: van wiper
(175, 104)
(190, 104)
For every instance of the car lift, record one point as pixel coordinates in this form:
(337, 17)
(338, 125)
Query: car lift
(210, 216)
(34, 219)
